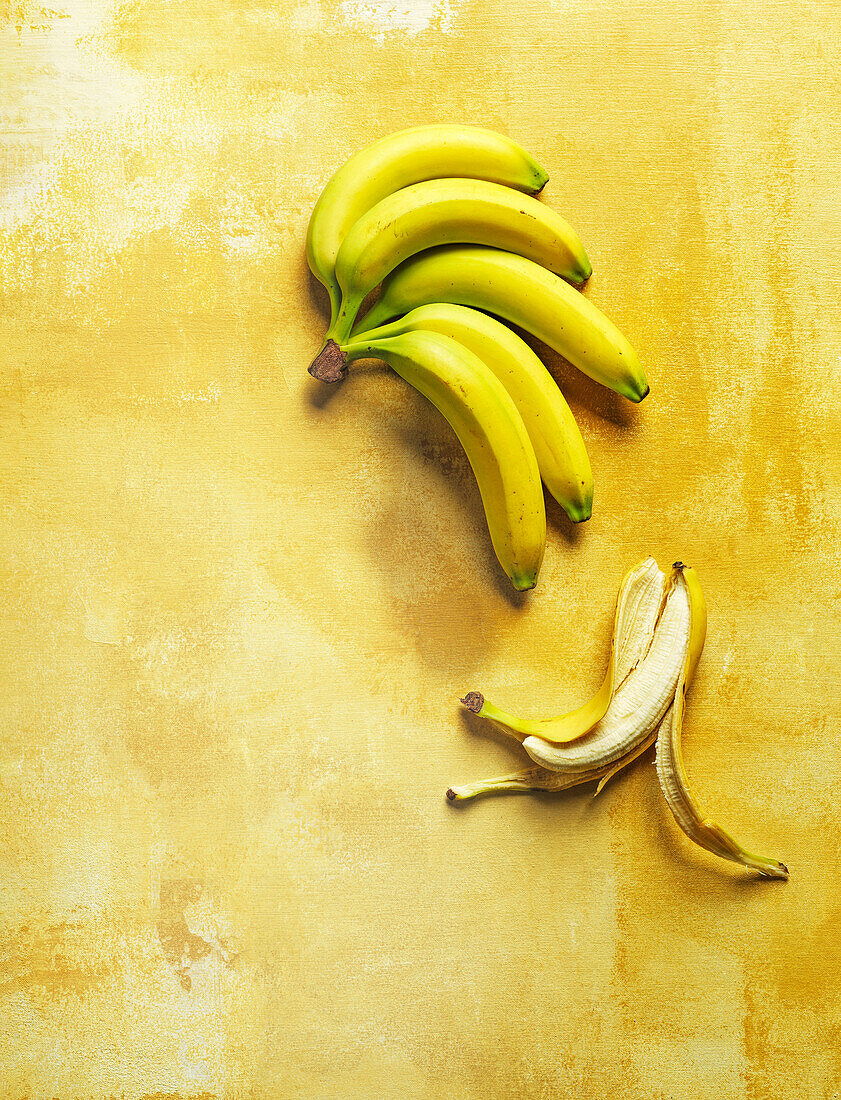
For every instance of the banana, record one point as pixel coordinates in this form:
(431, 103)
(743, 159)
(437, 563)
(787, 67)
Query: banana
(448, 211)
(670, 767)
(520, 291)
(485, 419)
(399, 160)
(637, 609)
(638, 705)
(561, 455)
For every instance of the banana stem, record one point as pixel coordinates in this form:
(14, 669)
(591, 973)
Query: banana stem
(330, 365)
(478, 704)
(342, 327)
(335, 295)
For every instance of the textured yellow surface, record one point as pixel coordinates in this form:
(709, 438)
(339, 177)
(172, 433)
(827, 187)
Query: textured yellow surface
(239, 609)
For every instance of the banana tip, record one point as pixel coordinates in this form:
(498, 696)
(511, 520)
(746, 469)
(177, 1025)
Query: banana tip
(524, 584)
(637, 392)
(473, 700)
(451, 794)
(330, 365)
(781, 872)
(580, 514)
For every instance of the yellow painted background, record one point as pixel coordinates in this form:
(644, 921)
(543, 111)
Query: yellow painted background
(239, 609)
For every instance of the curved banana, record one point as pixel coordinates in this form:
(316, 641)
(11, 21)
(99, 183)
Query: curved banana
(401, 159)
(450, 211)
(520, 291)
(637, 609)
(670, 767)
(485, 419)
(639, 704)
(561, 454)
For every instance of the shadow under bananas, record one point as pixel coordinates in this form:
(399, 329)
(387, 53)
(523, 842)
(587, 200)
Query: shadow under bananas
(557, 520)
(426, 529)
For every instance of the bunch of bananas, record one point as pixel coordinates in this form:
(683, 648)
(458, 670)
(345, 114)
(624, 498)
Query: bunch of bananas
(658, 635)
(443, 217)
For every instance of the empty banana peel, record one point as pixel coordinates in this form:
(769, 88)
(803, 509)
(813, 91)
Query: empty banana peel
(659, 635)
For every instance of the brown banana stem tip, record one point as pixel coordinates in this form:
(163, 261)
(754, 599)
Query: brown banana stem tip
(474, 700)
(451, 794)
(330, 365)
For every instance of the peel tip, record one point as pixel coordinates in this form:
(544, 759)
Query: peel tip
(474, 701)
(451, 795)
(781, 873)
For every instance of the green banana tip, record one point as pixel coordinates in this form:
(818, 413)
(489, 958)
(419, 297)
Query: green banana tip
(524, 584)
(641, 393)
(474, 701)
(330, 365)
(579, 514)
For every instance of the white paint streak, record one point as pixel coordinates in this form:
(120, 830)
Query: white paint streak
(384, 17)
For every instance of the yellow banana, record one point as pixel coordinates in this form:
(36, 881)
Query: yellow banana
(561, 455)
(637, 610)
(447, 211)
(485, 419)
(670, 767)
(520, 291)
(402, 159)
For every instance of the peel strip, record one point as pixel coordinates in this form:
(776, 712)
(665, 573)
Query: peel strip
(670, 766)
